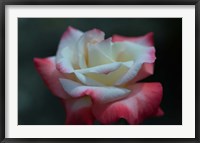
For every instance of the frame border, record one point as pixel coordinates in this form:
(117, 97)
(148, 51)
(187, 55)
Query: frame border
(3, 4)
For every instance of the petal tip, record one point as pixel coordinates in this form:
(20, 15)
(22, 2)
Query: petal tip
(39, 61)
(67, 32)
(36, 60)
(62, 69)
(70, 28)
(97, 30)
(159, 113)
(150, 34)
(149, 38)
(157, 86)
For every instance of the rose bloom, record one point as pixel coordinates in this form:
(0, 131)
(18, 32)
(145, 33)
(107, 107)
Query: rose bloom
(97, 78)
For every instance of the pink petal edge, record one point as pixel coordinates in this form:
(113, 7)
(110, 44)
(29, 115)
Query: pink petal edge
(47, 70)
(146, 40)
(146, 70)
(142, 103)
(68, 32)
(68, 41)
(80, 114)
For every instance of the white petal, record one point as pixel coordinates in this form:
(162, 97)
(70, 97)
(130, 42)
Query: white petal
(101, 69)
(105, 78)
(92, 36)
(66, 57)
(132, 72)
(108, 79)
(100, 53)
(69, 37)
(87, 81)
(128, 64)
(64, 60)
(98, 94)
(130, 51)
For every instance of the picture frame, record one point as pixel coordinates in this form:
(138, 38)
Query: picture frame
(3, 65)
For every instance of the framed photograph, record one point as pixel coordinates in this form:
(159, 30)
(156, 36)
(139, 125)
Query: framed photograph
(100, 71)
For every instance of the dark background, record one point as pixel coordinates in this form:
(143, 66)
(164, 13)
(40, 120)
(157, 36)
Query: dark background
(39, 37)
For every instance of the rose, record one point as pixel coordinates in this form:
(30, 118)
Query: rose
(97, 79)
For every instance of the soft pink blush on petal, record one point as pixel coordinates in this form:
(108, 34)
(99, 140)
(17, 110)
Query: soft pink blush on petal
(142, 102)
(138, 71)
(47, 69)
(78, 111)
(159, 112)
(70, 31)
(98, 94)
(65, 57)
(146, 40)
(146, 70)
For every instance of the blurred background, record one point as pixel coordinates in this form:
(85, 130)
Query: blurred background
(39, 37)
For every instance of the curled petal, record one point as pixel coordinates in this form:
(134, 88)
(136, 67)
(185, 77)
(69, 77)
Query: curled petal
(64, 60)
(146, 70)
(66, 57)
(140, 55)
(97, 94)
(100, 53)
(141, 103)
(87, 81)
(47, 69)
(108, 79)
(107, 68)
(144, 66)
(146, 40)
(89, 37)
(103, 75)
(126, 51)
(78, 111)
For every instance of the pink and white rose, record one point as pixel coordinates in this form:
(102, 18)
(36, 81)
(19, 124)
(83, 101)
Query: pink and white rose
(97, 78)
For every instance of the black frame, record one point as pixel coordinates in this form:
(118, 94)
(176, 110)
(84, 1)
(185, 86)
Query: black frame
(3, 4)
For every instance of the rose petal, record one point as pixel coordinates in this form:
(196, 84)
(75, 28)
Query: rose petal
(92, 36)
(128, 51)
(78, 111)
(97, 76)
(146, 40)
(97, 94)
(87, 81)
(159, 112)
(100, 53)
(141, 103)
(66, 57)
(140, 54)
(108, 79)
(146, 70)
(132, 72)
(107, 68)
(47, 70)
